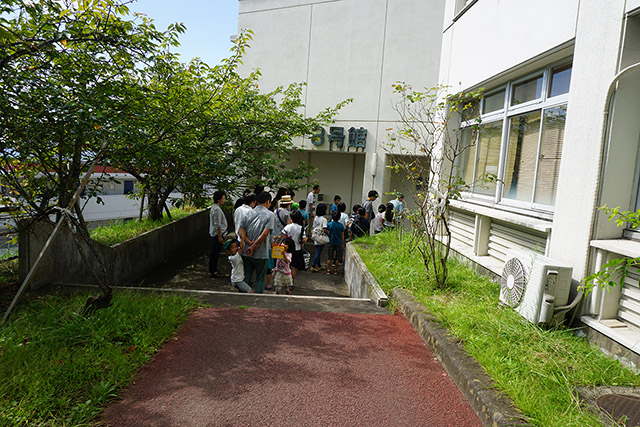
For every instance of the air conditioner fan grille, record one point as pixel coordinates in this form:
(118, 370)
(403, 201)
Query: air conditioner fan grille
(512, 283)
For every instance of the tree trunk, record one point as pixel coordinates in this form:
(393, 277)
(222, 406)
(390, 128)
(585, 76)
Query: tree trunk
(141, 205)
(155, 206)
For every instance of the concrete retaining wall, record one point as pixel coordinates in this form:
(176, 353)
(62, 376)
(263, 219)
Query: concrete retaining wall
(360, 281)
(494, 408)
(125, 262)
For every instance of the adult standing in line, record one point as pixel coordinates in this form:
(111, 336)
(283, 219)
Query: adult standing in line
(368, 205)
(283, 215)
(398, 207)
(312, 201)
(217, 231)
(255, 229)
(242, 211)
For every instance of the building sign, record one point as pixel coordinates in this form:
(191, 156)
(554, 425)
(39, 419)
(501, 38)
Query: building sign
(357, 138)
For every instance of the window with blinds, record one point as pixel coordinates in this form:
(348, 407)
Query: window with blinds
(520, 140)
(549, 155)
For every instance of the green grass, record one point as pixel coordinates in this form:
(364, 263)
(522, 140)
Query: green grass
(60, 369)
(8, 282)
(538, 368)
(8, 271)
(119, 231)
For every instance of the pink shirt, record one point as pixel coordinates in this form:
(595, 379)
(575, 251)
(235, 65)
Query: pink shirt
(282, 266)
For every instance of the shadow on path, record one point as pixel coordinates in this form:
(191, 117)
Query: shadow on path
(191, 271)
(257, 367)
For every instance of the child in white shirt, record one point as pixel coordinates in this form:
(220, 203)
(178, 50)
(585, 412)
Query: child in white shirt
(378, 221)
(237, 266)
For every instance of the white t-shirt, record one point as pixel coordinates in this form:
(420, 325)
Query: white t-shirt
(319, 221)
(311, 200)
(294, 230)
(343, 219)
(237, 268)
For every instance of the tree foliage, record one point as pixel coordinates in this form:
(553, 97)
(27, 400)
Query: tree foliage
(64, 89)
(65, 72)
(76, 74)
(80, 79)
(429, 142)
(199, 127)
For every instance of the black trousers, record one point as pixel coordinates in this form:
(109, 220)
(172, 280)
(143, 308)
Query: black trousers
(216, 248)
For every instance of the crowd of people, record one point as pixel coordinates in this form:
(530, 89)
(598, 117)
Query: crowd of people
(269, 234)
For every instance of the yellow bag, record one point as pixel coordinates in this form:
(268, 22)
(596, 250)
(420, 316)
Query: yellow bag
(277, 252)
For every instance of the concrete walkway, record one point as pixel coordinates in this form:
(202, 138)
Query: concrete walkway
(191, 272)
(233, 367)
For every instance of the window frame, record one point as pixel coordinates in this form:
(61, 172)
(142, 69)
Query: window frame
(487, 197)
(493, 92)
(544, 75)
(506, 114)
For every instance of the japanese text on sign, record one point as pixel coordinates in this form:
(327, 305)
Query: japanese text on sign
(357, 138)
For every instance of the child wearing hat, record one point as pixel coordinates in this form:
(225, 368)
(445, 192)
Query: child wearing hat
(283, 216)
(237, 266)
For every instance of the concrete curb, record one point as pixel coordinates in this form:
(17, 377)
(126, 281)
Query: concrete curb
(359, 280)
(493, 408)
(260, 301)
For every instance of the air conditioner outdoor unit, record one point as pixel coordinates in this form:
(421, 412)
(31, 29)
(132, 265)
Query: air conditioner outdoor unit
(535, 286)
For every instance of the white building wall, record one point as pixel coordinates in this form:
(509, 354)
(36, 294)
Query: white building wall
(494, 36)
(632, 5)
(496, 40)
(114, 206)
(594, 66)
(347, 49)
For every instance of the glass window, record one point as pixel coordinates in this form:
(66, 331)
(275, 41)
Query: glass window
(467, 158)
(560, 80)
(550, 154)
(528, 164)
(527, 90)
(493, 102)
(522, 153)
(488, 157)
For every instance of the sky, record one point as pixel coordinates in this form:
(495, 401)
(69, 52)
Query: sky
(209, 24)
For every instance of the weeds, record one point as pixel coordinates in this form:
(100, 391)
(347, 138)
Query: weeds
(60, 368)
(8, 271)
(538, 368)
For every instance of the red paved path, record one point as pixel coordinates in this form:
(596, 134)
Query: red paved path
(285, 368)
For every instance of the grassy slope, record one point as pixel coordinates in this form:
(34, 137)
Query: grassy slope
(59, 368)
(119, 231)
(538, 368)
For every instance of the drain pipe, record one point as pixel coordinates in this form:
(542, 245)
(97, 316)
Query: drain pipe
(603, 162)
(603, 158)
(605, 139)
(562, 310)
